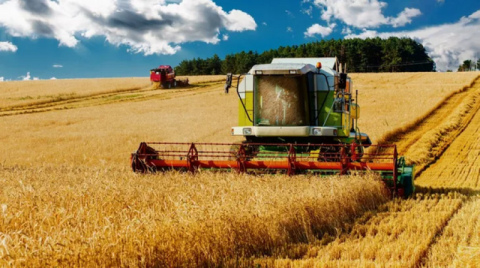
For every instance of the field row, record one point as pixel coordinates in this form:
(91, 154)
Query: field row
(398, 235)
(459, 166)
(25, 93)
(130, 95)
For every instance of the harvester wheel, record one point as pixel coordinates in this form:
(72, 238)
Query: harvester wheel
(174, 83)
(156, 85)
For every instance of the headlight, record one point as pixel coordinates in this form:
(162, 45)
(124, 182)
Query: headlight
(317, 132)
(247, 131)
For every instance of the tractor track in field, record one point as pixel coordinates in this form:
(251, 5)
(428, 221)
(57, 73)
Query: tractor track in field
(134, 95)
(406, 138)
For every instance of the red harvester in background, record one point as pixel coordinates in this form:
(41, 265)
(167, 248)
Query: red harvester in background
(164, 77)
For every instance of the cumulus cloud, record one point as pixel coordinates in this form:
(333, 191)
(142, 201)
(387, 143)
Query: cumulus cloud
(53, 78)
(447, 44)
(57, 66)
(2, 79)
(405, 17)
(8, 46)
(144, 26)
(289, 30)
(36, 78)
(317, 29)
(225, 37)
(363, 13)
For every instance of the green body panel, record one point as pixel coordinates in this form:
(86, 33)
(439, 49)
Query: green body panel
(339, 120)
(242, 115)
(335, 119)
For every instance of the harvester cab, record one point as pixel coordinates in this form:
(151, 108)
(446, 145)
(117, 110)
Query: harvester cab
(298, 101)
(164, 77)
(297, 115)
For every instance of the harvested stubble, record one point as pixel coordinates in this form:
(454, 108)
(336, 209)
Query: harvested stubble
(459, 166)
(459, 245)
(391, 102)
(87, 217)
(432, 144)
(19, 93)
(399, 235)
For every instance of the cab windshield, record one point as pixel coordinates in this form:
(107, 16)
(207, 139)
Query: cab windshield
(281, 101)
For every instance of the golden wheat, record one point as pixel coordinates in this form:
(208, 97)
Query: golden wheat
(68, 198)
(31, 92)
(459, 243)
(398, 235)
(87, 217)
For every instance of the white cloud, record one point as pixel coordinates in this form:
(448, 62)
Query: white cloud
(144, 26)
(317, 29)
(8, 46)
(264, 23)
(2, 79)
(26, 77)
(363, 13)
(289, 30)
(36, 78)
(447, 44)
(57, 66)
(53, 78)
(346, 31)
(405, 17)
(441, 1)
(225, 37)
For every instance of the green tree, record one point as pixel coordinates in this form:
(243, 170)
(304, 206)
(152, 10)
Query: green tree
(369, 55)
(467, 65)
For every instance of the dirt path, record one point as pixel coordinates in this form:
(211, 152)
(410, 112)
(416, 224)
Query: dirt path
(139, 94)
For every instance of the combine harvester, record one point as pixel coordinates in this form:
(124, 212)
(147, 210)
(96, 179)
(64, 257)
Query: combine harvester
(165, 77)
(297, 116)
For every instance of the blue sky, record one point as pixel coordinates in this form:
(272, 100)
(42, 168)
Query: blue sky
(124, 38)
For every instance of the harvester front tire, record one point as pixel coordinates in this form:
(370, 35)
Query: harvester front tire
(156, 85)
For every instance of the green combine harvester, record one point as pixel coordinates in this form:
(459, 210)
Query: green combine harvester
(297, 115)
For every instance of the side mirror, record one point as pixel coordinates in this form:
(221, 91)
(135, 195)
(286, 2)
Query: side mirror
(342, 82)
(228, 83)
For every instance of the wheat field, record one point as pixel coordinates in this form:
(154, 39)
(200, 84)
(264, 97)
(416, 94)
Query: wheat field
(68, 197)
(21, 93)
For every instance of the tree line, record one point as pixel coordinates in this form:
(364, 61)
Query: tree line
(469, 66)
(361, 55)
